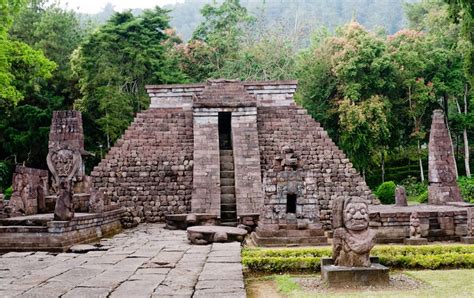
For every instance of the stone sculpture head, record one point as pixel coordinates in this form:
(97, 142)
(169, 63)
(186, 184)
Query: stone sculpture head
(356, 215)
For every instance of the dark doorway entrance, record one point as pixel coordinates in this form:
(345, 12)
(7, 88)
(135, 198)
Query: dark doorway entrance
(291, 203)
(225, 131)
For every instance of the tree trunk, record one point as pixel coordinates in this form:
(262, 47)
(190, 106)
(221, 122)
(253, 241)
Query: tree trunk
(420, 161)
(450, 138)
(464, 134)
(383, 167)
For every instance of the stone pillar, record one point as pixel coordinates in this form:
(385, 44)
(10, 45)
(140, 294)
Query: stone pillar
(66, 147)
(248, 181)
(206, 197)
(469, 238)
(441, 164)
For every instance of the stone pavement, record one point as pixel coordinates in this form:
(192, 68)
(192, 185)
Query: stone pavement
(147, 261)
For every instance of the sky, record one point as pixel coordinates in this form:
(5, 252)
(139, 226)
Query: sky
(94, 6)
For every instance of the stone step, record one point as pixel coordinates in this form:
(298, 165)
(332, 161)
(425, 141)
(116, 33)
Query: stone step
(229, 223)
(227, 199)
(228, 215)
(227, 182)
(227, 167)
(227, 174)
(228, 207)
(226, 159)
(226, 152)
(226, 190)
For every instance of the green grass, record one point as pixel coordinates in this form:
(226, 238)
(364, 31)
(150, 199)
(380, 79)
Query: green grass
(439, 283)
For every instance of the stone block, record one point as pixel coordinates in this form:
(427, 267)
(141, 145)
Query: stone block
(415, 241)
(340, 276)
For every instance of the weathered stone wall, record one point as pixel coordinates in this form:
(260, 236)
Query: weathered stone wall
(149, 170)
(248, 181)
(328, 172)
(206, 197)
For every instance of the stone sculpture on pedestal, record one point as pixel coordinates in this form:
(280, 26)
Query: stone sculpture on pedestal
(351, 264)
(353, 239)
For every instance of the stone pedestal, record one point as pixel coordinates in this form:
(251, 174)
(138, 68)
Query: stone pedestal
(415, 241)
(467, 240)
(341, 276)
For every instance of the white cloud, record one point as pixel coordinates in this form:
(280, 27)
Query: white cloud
(94, 6)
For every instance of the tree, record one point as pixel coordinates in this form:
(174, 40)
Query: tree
(219, 35)
(21, 67)
(357, 78)
(113, 65)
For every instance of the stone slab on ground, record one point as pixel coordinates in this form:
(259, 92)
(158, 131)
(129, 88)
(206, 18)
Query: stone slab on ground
(211, 234)
(147, 261)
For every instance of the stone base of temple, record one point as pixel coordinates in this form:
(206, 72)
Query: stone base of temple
(437, 222)
(41, 233)
(340, 276)
(289, 235)
(415, 241)
(467, 240)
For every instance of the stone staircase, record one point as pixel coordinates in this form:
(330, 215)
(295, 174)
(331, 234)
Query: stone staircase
(228, 203)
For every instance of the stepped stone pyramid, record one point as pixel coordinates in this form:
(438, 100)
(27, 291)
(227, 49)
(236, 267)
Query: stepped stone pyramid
(231, 151)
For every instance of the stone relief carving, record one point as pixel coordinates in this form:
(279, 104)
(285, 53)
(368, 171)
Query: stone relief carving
(353, 239)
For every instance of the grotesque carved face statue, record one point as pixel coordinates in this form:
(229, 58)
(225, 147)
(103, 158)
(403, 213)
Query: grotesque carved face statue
(63, 162)
(356, 216)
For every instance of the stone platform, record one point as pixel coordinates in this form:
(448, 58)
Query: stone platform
(438, 223)
(274, 235)
(41, 233)
(211, 234)
(147, 261)
(341, 276)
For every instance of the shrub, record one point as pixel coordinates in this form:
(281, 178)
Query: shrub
(386, 192)
(8, 193)
(466, 186)
(396, 256)
(413, 187)
(423, 197)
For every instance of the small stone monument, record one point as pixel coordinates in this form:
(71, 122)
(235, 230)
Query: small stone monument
(351, 264)
(415, 231)
(66, 147)
(469, 238)
(441, 164)
(30, 186)
(400, 196)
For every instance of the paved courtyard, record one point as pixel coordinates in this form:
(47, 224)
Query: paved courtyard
(147, 261)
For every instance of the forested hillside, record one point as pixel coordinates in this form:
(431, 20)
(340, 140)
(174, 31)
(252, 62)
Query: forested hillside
(301, 16)
(373, 90)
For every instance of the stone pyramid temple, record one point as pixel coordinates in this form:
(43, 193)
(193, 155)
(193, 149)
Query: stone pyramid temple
(230, 152)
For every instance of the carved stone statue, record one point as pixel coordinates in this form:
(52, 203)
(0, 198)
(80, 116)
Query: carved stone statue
(64, 209)
(353, 239)
(415, 225)
(400, 196)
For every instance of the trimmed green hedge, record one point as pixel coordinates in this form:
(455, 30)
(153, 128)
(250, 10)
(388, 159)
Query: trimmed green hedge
(407, 257)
